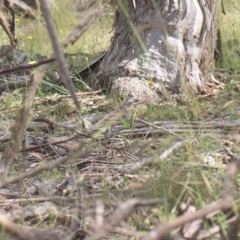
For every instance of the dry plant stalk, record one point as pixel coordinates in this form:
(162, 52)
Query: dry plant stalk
(14, 229)
(46, 167)
(58, 52)
(17, 131)
(120, 214)
(7, 20)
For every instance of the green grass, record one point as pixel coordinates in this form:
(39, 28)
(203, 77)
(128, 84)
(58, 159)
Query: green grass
(34, 38)
(230, 34)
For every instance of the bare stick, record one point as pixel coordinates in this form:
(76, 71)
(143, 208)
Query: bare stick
(120, 214)
(128, 232)
(162, 157)
(46, 167)
(230, 171)
(5, 27)
(58, 53)
(8, 22)
(17, 130)
(162, 229)
(12, 228)
(157, 127)
(12, 70)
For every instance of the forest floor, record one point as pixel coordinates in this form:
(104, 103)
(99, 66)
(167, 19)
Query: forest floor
(76, 167)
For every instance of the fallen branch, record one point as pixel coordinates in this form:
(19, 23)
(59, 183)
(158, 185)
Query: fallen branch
(14, 229)
(45, 167)
(120, 214)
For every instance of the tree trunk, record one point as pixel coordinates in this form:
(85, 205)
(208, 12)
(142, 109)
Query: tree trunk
(161, 46)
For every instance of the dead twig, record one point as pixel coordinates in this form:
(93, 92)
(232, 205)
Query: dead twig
(14, 229)
(59, 56)
(160, 128)
(162, 229)
(120, 214)
(45, 167)
(86, 21)
(30, 66)
(162, 157)
(230, 171)
(128, 232)
(8, 21)
(56, 199)
(18, 128)
(207, 234)
(47, 144)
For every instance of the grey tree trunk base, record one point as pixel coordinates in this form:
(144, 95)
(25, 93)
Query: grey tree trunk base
(166, 46)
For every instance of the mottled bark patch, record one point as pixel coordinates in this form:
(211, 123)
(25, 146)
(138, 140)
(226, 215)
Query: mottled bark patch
(144, 91)
(170, 43)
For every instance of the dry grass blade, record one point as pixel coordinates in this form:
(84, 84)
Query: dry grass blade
(59, 56)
